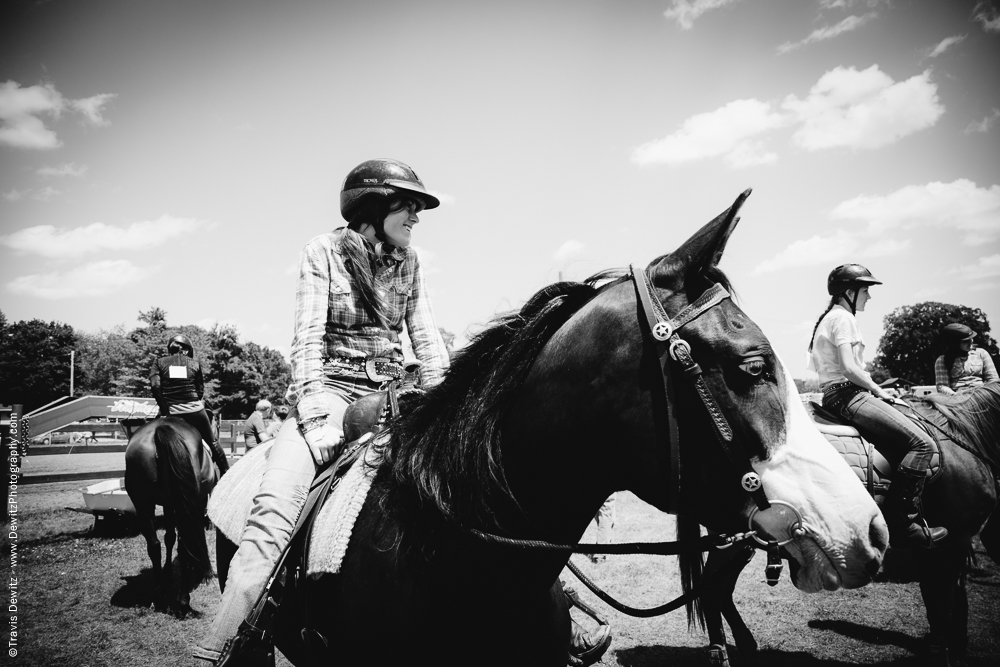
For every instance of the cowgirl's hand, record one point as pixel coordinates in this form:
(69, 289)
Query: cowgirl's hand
(324, 443)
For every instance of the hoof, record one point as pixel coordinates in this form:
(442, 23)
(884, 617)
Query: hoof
(717, 655)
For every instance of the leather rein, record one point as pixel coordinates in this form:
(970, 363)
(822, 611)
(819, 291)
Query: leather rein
(670, 346)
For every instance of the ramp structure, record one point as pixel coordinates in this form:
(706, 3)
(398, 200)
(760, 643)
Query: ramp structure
(68, 410)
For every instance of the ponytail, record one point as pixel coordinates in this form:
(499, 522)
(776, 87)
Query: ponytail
(833, 302)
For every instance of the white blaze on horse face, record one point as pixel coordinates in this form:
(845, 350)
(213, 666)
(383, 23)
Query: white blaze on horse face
(845, 533)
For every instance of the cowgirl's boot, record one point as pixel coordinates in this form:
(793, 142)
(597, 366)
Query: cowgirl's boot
(907, 527)
(586, 648)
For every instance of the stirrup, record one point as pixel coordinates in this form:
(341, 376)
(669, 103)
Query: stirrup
(583, 655)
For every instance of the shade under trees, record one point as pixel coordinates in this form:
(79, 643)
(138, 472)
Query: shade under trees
(912, 340)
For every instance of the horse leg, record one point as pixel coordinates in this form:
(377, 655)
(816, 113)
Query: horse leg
(940, 583)
(718, 603)
(170, 538)
(147, 527)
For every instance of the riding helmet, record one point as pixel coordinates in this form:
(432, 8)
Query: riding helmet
(381, 178)
(849, 276)
(180, 341)
(956, 333)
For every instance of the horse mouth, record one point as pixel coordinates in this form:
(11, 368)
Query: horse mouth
(822, 571)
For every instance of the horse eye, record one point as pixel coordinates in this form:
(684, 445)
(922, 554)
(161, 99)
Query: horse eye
(754, 366)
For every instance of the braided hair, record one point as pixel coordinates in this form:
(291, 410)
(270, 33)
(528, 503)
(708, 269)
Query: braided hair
(833, 302)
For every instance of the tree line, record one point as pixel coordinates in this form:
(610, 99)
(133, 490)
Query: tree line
(35, 363)
(35, 357)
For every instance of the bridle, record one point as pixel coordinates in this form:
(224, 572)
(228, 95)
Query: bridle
(669, 347)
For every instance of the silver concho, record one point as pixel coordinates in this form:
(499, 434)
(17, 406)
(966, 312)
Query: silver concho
(750, 482)
(662, 330)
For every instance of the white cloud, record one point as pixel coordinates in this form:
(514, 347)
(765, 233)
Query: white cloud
(986, 267)
(987, 15)
(46, 193)
(815, 250)
(446, 199)
(15, 194)
(945, 44)
(95, 279)
(568, 250)
(845, 108)
(983, 125)
(725, 131)
(91, 107)
(68, 169)
(959, 205)
(21, 109)
(863, 110)
(828, 32)
(686, 11)
(48, 241)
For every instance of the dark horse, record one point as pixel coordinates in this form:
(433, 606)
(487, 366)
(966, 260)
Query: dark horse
(167, 464)
(544, 415)
(959, 496)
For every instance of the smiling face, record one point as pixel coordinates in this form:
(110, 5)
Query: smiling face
(398, 226)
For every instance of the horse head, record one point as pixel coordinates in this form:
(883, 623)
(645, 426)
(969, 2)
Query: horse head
(835, 534)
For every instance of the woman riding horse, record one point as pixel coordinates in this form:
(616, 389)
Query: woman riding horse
(357, 287)
(836, 354)
(178, 385)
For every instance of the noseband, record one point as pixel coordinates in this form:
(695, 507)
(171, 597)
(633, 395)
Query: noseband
(669, 345)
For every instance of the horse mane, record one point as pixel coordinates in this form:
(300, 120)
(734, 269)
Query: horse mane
(442, 462)
(973, 415)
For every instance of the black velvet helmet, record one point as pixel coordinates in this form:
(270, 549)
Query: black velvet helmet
(849, 276)
(180, 341)
(381, 178)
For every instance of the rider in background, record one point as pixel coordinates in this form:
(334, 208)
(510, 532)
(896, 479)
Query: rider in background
(836, 354)
(178, 385)
(961, 367)
(357, 287)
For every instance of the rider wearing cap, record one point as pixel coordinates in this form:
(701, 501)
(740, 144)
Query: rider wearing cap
(178, 385)
(836, 354)
(962, 367)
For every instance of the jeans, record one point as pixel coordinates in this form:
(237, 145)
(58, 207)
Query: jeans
(893, 434)
(283, 491)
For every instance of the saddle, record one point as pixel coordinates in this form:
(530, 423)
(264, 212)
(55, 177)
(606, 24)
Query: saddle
(363, 419)
(872, 468)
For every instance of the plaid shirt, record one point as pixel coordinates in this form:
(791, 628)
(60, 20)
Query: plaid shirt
(965, 372)
(329, 315)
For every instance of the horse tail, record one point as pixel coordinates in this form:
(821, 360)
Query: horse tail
(692, 567)
(184, 493)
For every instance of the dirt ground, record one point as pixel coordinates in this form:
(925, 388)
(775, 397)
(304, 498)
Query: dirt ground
(85, 600)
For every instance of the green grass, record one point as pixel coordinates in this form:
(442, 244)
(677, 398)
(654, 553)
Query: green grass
(86, 601)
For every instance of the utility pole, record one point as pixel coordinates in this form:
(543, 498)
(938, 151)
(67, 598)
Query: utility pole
(72, 359)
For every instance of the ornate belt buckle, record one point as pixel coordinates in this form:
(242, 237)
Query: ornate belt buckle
(371, 371)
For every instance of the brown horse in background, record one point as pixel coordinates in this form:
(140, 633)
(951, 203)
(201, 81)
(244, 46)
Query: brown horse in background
(960, 496)
(167, 464)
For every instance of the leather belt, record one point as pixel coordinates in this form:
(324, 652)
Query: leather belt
(376, 370)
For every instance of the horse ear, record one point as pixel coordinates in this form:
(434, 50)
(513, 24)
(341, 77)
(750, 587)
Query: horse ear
(703, 251)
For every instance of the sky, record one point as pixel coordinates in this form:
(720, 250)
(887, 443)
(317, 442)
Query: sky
(180, 154)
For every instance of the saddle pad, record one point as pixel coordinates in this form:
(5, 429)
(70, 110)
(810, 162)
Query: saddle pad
(332, 530)
(859, 455)
(230, 505)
